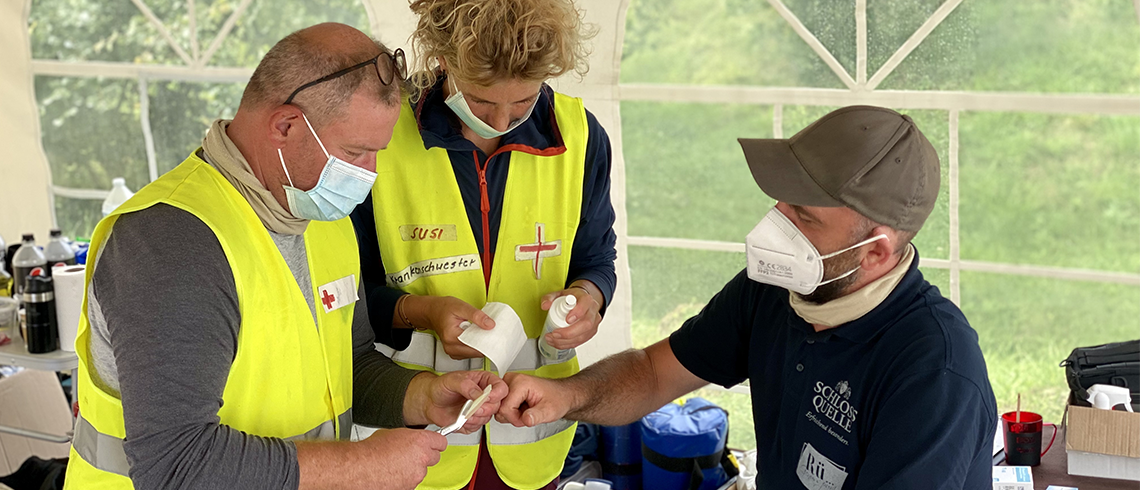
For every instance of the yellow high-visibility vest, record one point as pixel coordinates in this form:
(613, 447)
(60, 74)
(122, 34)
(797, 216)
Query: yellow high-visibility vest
(428, 248)
(289, 378)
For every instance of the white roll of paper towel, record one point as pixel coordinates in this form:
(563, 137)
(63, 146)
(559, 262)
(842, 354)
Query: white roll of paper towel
(68, 302)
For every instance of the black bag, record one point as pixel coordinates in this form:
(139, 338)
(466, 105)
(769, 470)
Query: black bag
(1111, 364)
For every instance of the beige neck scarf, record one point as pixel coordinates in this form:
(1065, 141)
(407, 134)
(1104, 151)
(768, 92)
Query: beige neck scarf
(853, 306)
(223, 154)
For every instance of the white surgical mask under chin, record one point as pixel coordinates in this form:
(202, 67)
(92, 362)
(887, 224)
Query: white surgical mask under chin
(780, 255)
(341, 187)
(458, 105)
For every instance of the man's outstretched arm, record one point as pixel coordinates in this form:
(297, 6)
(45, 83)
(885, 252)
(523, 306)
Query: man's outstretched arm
(617, 390)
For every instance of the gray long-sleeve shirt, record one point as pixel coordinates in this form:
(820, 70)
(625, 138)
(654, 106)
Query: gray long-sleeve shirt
(164, 317)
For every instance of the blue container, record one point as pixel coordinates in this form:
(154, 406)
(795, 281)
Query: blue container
(621, 456)
(584, 448)
(683, 446)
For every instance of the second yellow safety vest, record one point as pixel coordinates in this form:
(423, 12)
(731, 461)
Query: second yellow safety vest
(428, 248)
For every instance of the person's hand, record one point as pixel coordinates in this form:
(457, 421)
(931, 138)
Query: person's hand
(400, 457)
(395, 459)
(439, 399)
(583, 319)
(531, 401)
(444, 315)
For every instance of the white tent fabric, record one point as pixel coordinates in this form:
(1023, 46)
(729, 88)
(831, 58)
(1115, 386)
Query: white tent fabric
(25, 177)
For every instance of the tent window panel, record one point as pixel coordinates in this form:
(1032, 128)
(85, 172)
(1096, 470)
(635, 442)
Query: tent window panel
(91, 131)
(77, 217)
(89, 30)
(670, 285)
(719, 42)
(181, 112)
(686, 175)
(1060, 46)
(1026, 325)
(1054, 190)
(266, 22)
(890, 24)
(939, 278)
(832, 22)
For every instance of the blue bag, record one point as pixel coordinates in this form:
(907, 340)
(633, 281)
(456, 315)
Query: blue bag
(584, 448)
(683, 447)
(621, 456)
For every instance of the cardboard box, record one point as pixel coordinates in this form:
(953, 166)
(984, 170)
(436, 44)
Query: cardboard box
(1103, 443)
(1013, 478)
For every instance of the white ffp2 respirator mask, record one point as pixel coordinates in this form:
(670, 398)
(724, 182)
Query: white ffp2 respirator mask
(778, 254)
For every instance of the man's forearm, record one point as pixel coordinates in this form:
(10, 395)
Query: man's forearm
(330, 465)
(616, 391)
(625, 387)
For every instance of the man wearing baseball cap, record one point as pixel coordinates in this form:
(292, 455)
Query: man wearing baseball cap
(862, 374)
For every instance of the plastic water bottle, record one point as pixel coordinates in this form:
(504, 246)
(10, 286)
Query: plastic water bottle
(57, 252)
(555, 319)
(28, 261)
(118, 195)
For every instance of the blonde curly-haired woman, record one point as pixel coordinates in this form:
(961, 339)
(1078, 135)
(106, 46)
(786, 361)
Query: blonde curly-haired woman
(494, 188)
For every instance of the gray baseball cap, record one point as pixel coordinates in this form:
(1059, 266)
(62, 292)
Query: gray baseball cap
(870, 159)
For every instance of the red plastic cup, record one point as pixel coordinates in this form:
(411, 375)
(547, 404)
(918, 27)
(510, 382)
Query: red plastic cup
(1023, 438)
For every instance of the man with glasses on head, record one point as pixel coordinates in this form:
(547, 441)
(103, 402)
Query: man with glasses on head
(221, 339)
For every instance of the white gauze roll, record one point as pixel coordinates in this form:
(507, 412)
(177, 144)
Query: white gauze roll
(68, 302)
(500, 344)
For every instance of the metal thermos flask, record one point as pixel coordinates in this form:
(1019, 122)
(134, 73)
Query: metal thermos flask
(41, 334)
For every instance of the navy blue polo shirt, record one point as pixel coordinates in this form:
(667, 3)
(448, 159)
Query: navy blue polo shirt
(898, 398)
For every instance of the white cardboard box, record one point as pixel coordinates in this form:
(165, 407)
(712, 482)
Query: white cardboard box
(1104, 465)
(1103, 443)
(1013, 478)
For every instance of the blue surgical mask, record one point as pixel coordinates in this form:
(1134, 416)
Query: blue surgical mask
(458, 105)
(340, 189)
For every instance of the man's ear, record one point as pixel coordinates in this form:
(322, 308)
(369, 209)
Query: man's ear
(282, 121)
(881, 250)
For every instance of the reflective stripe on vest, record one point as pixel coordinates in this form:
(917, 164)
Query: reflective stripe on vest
(106, 452)
(428, 248)
(426, 350)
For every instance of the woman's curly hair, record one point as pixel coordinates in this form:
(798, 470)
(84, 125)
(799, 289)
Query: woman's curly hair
(487, 41)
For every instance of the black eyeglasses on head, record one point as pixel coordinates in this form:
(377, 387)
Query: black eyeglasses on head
(396, 67)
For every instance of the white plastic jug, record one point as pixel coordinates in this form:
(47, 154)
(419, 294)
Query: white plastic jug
(118, 195)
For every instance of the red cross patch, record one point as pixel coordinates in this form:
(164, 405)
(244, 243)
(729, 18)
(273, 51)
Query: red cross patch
(538, 250)
(336, 294)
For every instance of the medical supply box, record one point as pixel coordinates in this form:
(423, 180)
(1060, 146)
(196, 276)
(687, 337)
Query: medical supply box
(1013, 478)
(1102, 443)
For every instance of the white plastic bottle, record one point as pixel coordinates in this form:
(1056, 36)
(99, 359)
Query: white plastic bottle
(555, 319)
(28, 260)
(118, 195)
